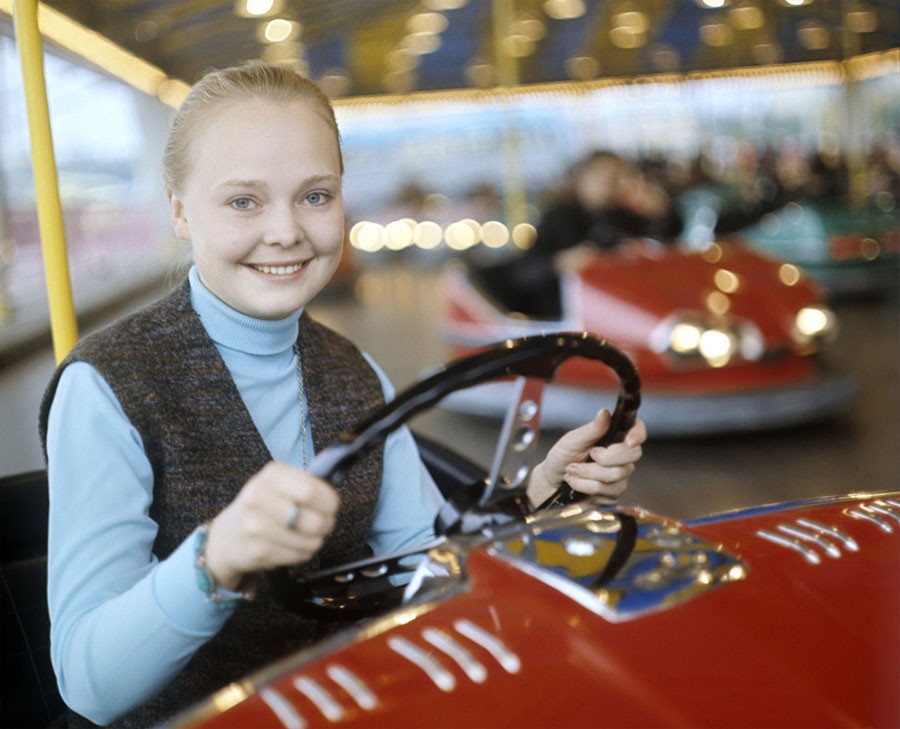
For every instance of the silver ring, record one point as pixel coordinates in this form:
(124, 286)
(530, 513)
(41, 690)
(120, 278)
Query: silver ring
(293, 518)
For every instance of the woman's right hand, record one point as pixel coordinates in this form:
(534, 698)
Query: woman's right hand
(281, 517)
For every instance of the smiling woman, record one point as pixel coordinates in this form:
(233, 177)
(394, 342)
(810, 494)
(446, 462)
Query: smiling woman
(266, 235)
(183, 434)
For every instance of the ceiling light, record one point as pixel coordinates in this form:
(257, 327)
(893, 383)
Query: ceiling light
(564, 9)
(278, 30)
(633, 20)
(747, 17)
(813, 35)
(861, 21)
(480, 73)
(582, 67)
(427, 23)
(716, 33)
(518, 46)
(445, 4)
(256, 8)
(626, 38)
(421, 44)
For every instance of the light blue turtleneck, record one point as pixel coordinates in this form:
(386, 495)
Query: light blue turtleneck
(123, 623)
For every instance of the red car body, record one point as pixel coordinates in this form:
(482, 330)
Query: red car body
(635, 297)
(780, 616)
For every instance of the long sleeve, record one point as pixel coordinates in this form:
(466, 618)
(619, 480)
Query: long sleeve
(123, 623)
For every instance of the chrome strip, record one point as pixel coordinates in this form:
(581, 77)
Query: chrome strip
(893, 502)
(848, 541)
(440, 640)
(282, 708)
(880, 509)
(323, 700)
(810, 555)
(831, 550)
(353, 685)
(441, 677)
(862, 513)
(509, 661)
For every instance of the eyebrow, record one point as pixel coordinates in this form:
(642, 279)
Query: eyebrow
(258, 184)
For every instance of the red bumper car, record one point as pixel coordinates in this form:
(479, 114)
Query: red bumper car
(725, 340)
(588, 615)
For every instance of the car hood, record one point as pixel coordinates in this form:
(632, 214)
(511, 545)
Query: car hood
(645, 283)
(707, 624)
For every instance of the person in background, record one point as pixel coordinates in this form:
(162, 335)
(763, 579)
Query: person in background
(178, 439)
(607, 201)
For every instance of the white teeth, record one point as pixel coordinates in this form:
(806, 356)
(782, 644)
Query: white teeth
(279, 270)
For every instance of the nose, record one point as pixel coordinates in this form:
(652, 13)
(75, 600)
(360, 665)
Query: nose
(283, 226)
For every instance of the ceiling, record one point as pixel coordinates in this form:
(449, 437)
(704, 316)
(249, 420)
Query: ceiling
(362, 47)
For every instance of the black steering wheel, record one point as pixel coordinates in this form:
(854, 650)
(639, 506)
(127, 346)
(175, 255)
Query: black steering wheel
(369, 586)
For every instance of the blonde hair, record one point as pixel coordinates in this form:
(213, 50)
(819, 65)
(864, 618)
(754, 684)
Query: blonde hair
(246, 81)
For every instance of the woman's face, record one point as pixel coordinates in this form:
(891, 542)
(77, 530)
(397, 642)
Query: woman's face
(262, 204)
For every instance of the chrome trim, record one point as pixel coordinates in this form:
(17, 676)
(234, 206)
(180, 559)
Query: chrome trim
(324, 701)
(441, 677)
(509, 661)
(848, 541)
(464, 659)
(861, 512)
(880, 507)
(353, 685)
(810, 555)
(763, 509)
(282, 708)
(831, 550)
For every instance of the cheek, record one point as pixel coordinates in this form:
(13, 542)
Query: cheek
(330, 238)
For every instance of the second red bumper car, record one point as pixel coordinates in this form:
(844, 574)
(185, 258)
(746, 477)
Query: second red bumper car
(726, 340)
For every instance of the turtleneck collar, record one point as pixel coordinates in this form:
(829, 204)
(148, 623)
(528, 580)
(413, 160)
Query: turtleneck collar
(230, 328)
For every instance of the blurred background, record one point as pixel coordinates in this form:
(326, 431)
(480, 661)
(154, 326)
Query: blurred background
(461, 121)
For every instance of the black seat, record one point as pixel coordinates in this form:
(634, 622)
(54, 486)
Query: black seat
(28, 693)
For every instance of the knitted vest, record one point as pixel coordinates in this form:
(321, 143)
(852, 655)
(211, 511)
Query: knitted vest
(203, 446)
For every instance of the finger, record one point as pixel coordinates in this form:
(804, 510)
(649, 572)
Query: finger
(617, 454)
(277, 483)
(591, 487)
(637, 434)
(586, 473)
(579, 440)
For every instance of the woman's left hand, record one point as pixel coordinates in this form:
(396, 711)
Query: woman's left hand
(588, 468)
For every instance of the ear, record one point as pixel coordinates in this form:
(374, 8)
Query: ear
(177, 217)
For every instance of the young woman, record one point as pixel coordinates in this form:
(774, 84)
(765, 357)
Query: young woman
(177, 439)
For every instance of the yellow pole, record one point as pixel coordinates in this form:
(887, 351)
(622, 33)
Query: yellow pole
(63, 324)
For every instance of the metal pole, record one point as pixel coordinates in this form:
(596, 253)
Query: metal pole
(63, 324)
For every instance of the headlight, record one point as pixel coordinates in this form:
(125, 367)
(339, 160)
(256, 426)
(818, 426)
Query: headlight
(687, 337)
(813, 325)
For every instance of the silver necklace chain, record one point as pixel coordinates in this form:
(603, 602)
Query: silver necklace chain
(303, 408)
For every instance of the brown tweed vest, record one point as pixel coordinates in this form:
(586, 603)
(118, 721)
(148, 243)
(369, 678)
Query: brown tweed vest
(203, 446)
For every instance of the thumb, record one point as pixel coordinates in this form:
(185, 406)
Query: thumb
(578, 442)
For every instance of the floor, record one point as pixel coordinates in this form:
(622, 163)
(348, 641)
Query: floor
(392, 313)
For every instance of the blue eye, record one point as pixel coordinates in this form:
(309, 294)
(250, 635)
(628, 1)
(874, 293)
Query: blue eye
(242, 203)
(317, 198)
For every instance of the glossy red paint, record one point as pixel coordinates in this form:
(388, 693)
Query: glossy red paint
(635, 297)
(793, 644)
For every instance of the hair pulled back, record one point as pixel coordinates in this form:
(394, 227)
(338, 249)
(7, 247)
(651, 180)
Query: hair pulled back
(254, 79)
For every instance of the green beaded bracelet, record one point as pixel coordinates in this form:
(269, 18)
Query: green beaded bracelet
(225, 599)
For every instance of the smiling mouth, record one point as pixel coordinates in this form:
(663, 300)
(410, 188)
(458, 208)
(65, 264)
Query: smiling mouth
(277, 270)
